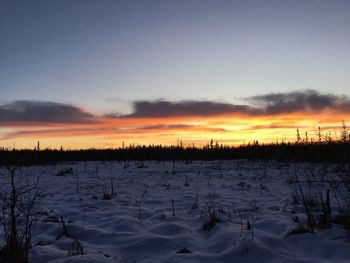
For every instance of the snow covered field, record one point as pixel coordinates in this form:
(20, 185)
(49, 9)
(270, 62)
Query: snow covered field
(150, 211)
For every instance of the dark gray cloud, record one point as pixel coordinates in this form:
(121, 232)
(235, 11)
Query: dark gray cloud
(163, 108)
(23, 111)
(305, 101)
(268, 104)
(28, 112)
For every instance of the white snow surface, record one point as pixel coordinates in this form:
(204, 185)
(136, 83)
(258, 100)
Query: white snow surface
(137, 224)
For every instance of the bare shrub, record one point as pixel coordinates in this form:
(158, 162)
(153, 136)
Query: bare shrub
(343, 192)
(213, 218)
(213, 214)
(315, 197)
(18, 218)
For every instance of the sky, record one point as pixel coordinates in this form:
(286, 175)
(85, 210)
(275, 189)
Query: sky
(85, 74)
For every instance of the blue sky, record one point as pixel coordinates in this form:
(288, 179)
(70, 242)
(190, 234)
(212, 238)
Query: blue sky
(89, 52)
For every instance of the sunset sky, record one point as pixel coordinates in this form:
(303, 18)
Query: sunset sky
(82, 74)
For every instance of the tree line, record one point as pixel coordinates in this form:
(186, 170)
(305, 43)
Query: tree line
(326, 151)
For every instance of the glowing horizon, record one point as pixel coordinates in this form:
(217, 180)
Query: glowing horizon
(271, 118)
